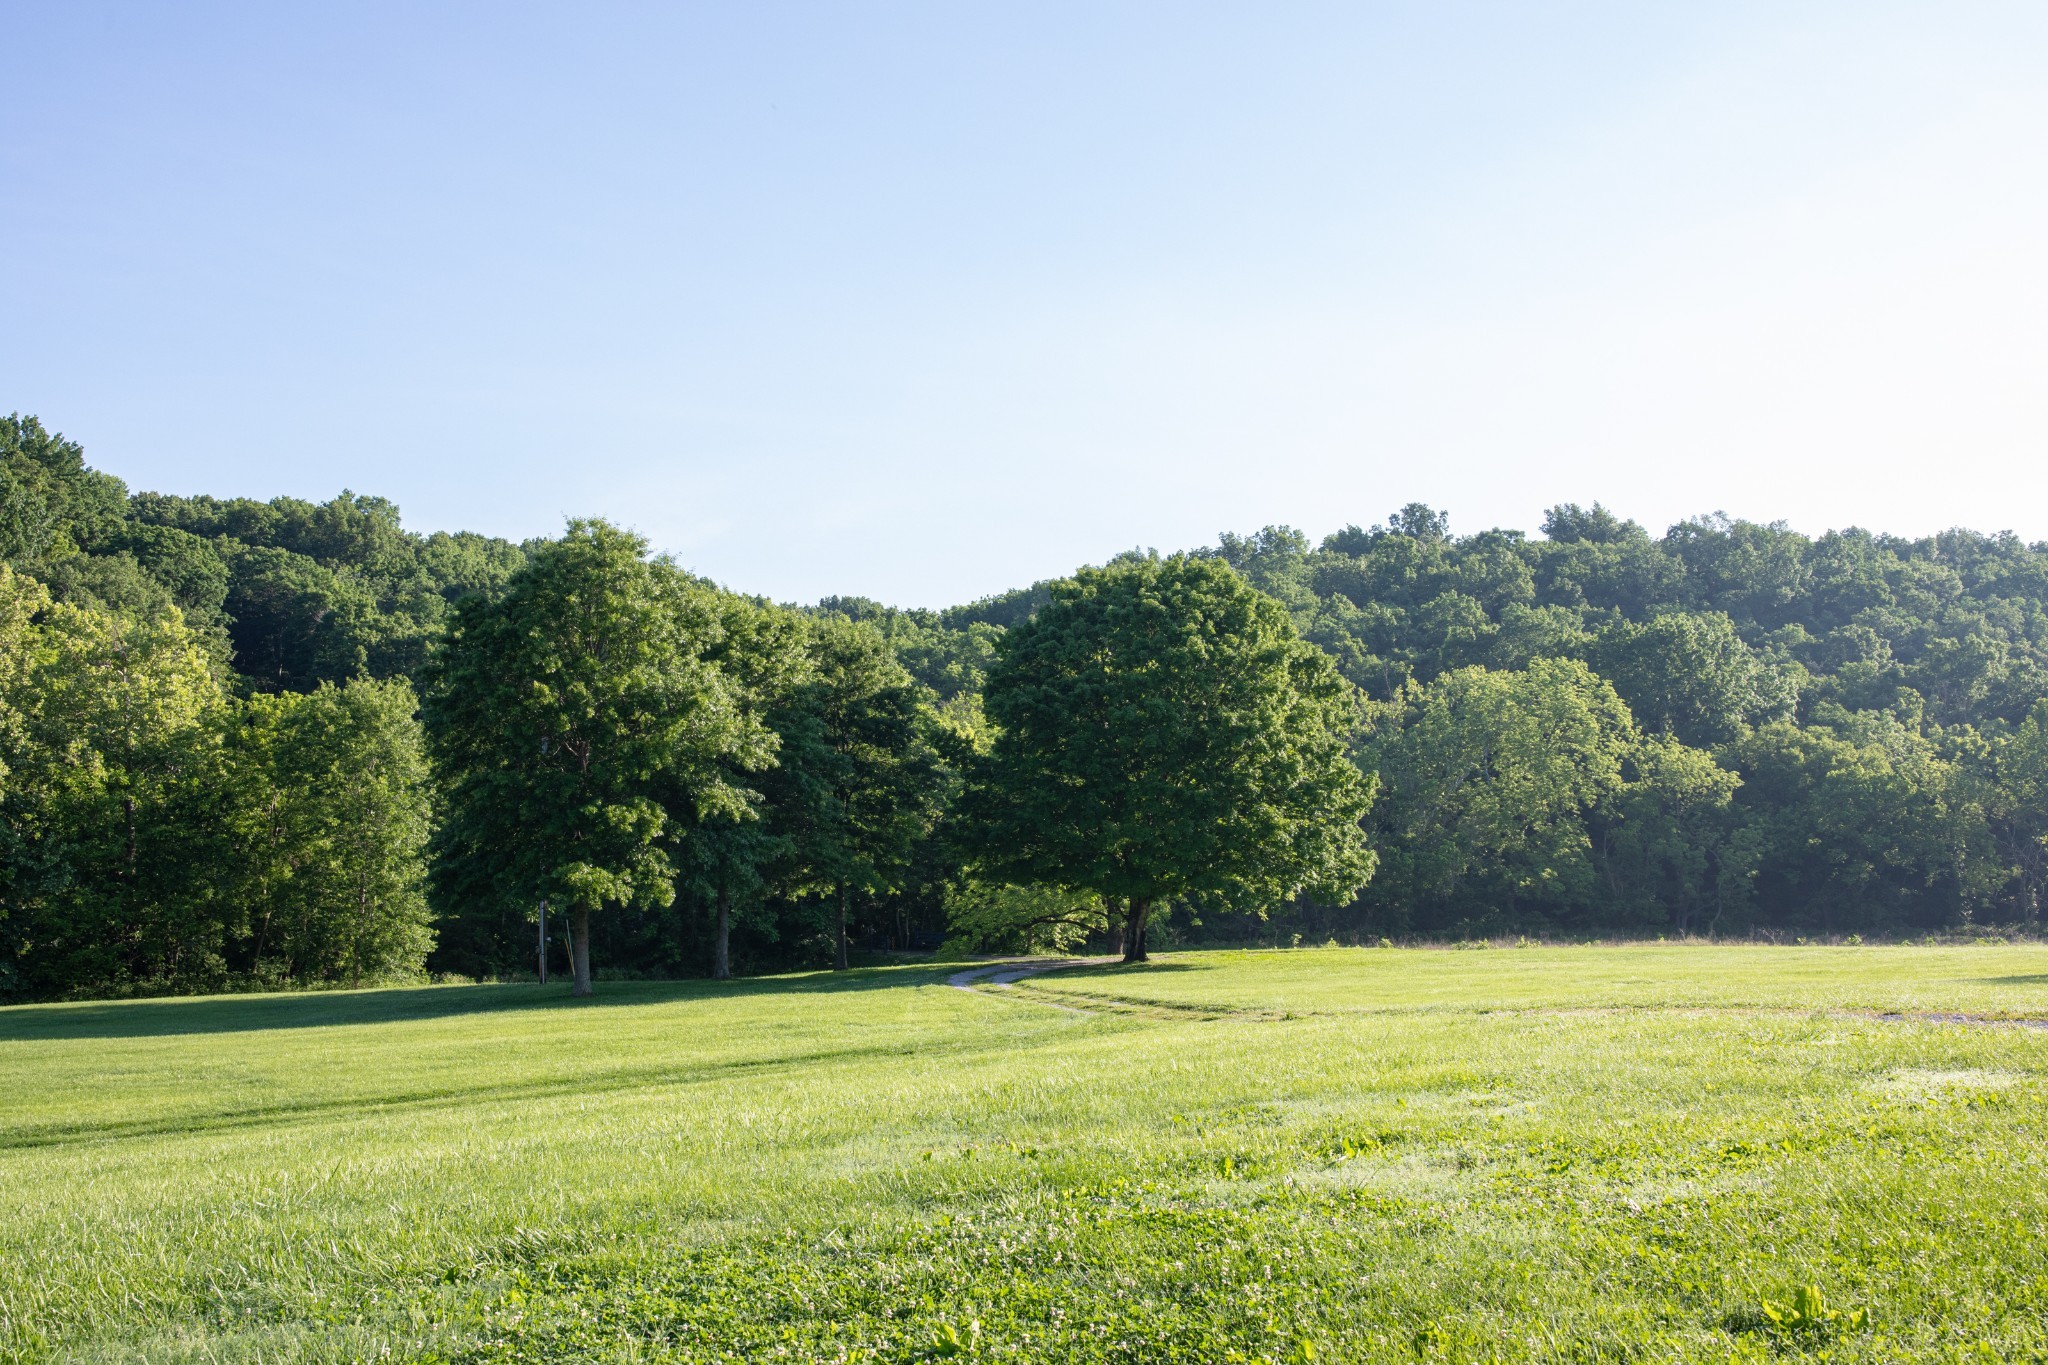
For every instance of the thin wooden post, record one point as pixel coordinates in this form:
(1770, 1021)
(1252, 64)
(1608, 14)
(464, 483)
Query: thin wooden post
(543, 943)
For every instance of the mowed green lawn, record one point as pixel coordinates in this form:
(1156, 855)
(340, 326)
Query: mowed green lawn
(1571, 1154)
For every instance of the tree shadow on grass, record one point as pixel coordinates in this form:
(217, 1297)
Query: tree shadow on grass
(2039, 980)
(175, 1015)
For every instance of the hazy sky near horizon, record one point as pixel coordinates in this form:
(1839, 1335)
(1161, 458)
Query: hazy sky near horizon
(925, 301)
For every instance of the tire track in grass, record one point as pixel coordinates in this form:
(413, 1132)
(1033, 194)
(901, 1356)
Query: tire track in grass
(352, 1107)
(1003, 977)
(1971, 1020)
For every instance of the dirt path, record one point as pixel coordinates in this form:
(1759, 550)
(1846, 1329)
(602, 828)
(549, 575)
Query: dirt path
(1002, 975)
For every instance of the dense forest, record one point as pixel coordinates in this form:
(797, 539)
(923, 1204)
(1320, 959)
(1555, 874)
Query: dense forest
(252, 743)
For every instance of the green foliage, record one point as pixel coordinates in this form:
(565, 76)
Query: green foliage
(297, 623)
(112, 803)
(859, 780)
(330, 831)
(730, 856)
(1831, 734)
(288, 593)
(51, 503)
(192, 571)
(1529, 798)
(1161, 735)
(1924, 657)
(1691, 676)
(1668, 843)
(996, 917)
(950, 659)
(1957, 618)
(565, 712)
(1488, 780)
(360, 533)
(161, 835)
(313, 592)
(2015, 802)
(1862, 822)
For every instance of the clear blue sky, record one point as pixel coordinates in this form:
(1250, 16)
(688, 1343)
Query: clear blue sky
(926, 301)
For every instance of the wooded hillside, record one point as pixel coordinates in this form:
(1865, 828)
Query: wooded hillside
(215, 772)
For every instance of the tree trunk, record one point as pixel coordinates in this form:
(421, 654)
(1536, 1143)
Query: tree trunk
(579, 948)
(1113, 912)
(1134, 935)
(131, 891)
(721, 938)
(839, 964)
(355, 976)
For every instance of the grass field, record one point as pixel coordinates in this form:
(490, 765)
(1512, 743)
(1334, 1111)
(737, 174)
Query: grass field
(1569, 1154)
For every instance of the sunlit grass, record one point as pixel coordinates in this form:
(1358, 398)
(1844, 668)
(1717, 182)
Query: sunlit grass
(1545, 1154)
(1991, 980)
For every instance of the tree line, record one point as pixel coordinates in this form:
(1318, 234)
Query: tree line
(254, 743)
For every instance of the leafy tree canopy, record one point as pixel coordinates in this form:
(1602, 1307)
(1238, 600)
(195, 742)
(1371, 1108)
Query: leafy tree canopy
(565, 711)
(1161, 734)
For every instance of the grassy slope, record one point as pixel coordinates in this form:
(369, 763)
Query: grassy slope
(1568, 1154)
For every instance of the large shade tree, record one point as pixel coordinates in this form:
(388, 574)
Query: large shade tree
(568, 717)
(1162, 735)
